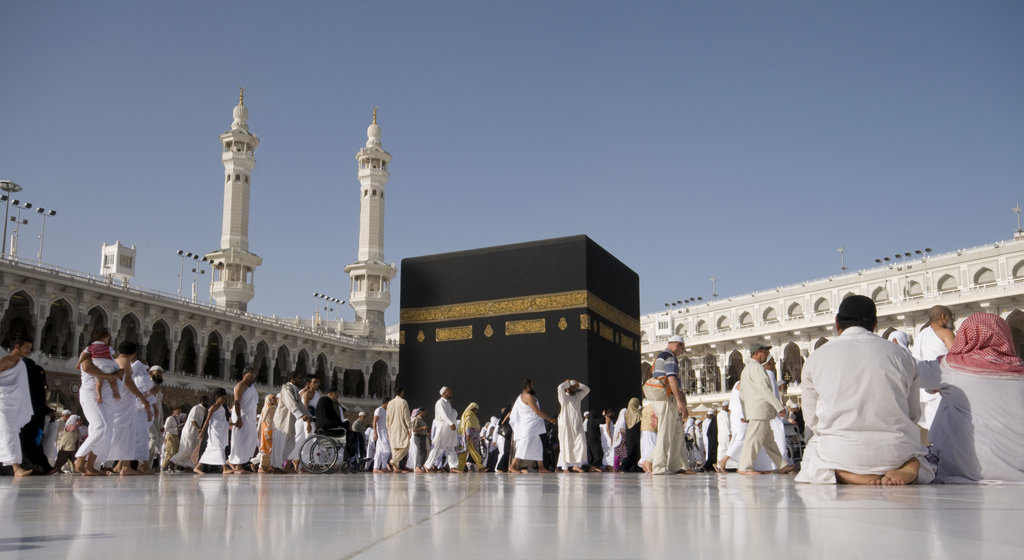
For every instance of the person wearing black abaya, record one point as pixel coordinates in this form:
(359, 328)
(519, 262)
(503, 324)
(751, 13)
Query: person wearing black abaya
(712, 451)
(31, 435)
(595, 449)
(505, 430)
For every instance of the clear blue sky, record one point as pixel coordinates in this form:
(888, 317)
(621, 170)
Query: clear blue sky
(746, 140)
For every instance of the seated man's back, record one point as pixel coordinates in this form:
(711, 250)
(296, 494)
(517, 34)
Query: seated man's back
(861, 401)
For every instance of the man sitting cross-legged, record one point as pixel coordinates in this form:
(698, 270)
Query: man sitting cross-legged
(861, 403)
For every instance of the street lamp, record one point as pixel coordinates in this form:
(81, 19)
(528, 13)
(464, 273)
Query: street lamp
(44, 213)
(195, 283)
(181, 271)
(8, 187)
(714, 284)
(316, 306)
(842, 259)
(18, 222)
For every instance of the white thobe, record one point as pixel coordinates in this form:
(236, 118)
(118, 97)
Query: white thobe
(861, 403)
(190, 437)
(382, 452)
(141, 421)
(927, 347)
(978, 432)
(527, 426)
(572, 440)
(244, 440)
(15, 411)
(724, 431)
(445, 438)
(100, 417)
(288, 415)
(122, 439)
(216, 438)
(608, 450)
(739, 434)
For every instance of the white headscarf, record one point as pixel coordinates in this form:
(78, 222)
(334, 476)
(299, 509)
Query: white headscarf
(443, 389)
(901, 338)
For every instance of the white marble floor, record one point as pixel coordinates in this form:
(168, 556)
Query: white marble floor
(500, 516)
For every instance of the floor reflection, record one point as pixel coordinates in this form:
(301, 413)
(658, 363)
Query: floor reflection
(503, 516)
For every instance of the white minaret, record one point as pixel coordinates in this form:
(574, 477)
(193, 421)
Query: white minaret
(233, 265)
(370, 276)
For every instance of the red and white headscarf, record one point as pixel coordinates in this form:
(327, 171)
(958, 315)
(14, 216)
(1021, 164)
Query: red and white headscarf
(984, 347)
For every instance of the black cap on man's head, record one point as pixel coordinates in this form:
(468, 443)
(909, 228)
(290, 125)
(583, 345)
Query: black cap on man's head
(857, 307)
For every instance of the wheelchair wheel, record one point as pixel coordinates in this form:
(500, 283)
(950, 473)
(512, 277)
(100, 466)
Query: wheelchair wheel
(318, 454)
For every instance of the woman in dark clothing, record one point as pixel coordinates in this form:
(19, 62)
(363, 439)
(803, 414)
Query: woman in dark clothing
(630, 463)
(595, 449)
(505, 430)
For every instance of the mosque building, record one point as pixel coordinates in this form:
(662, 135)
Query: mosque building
(797, 320)
(204, 346)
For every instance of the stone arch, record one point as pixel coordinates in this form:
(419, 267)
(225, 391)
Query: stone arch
(822, 305)
(792, 363)
(158, 351)
(712, 375)
(985, 277)
(643, 336)
(680, 329)
(915, 289)
(281, 367)
(262, 363)
(795, 310)
(94, 319)
(947, 283)
(302, 362)
(239, 352)
(880, 295)
(129, 329)
(59, 330)
(723, 323)
(17, 321)
(887, 332)
(1016, 322)
(1018, 270)
(214, 353)
(821, 342)
(702, 327)
(848, 294)
(746, 319)
(186, 358)
(734, 370)
(380, 381)
(321, 366)
(353, 384)
(770, 315)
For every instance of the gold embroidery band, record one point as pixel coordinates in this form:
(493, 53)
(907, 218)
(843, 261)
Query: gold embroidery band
(580, 299)
(454, 333)
(529, 326)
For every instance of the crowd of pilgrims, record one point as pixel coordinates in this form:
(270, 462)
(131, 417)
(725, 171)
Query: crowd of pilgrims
(874, 411)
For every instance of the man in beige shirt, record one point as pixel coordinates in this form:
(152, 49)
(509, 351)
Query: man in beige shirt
(399, 424)
(760, 405)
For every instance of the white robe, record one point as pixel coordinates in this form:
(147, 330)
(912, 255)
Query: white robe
(978, 432)
(445, 438)
(929, 347)
(572, 440)
(100, 417)
(724, 431)
(382, 451)
(607, 449)
(122, 440)
(244, 440)
(190, 437)
(15, 411)
(141, 420)
(777, 425)
(861, 402)
(217, 438)
(527, 426)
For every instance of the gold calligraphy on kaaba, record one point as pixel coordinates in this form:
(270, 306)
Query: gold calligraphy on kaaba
(453, 333)
(626, 342)
(488, 331)
(401, 337)
(606, 332)
(562, 324)
(420, 337)
(529, 326)
(584, 322)
(532, 304)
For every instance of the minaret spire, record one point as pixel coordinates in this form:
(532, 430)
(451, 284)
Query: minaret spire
(234, 266)
(370, 275)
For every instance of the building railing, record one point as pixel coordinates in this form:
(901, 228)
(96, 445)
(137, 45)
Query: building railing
(175, 299)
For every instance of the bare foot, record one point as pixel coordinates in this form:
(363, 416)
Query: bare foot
(79, 465)
(264, 471)
(127, 471)
(542, 470)
(844, 477)
(20, 472)
(197, 470)
(378, 471)
(577, 469)
(418, 470)
(906, 474)
(750, 473)
(786, 470)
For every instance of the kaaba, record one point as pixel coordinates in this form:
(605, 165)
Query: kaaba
(481, 321)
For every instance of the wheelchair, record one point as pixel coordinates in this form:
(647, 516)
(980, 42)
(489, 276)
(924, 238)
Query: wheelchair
(323, 452)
